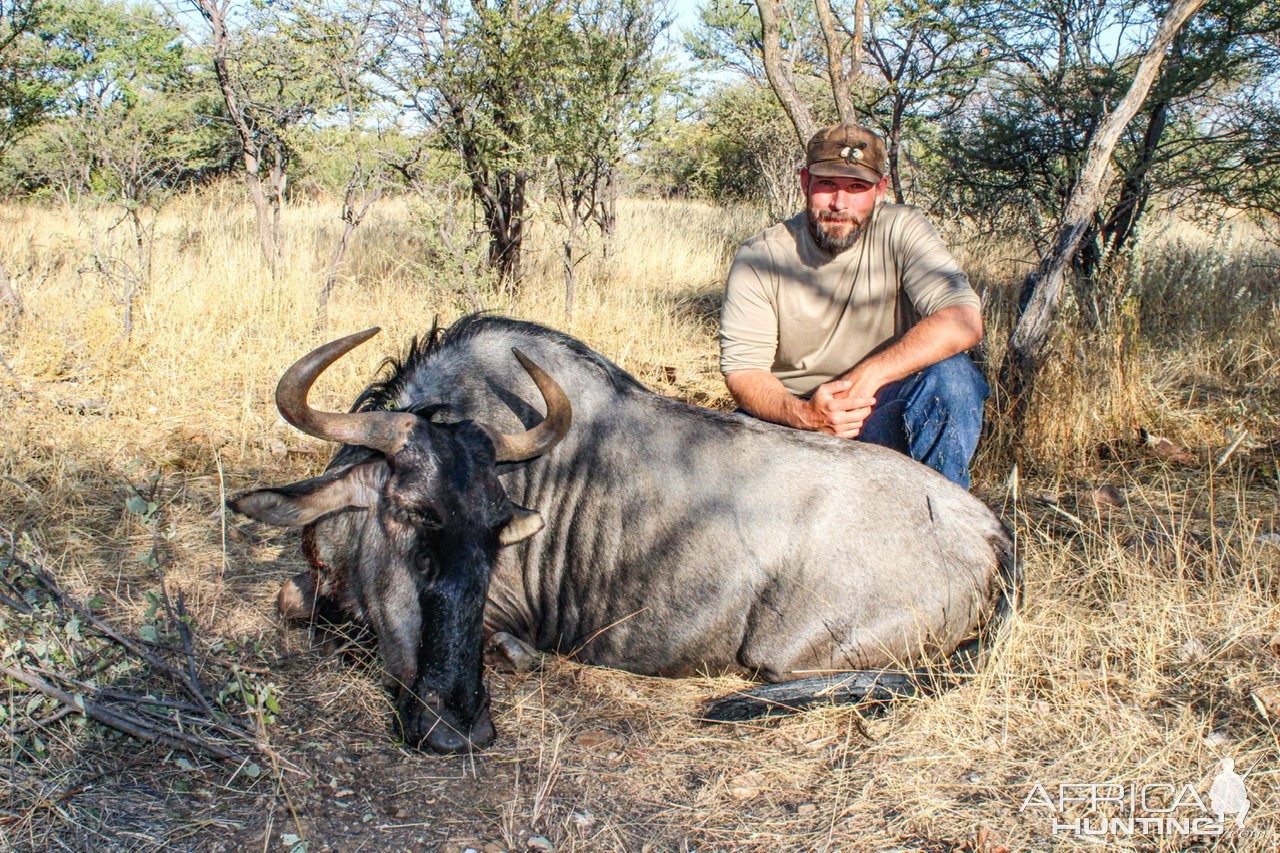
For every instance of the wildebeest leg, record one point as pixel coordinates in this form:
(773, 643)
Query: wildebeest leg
(332, 627)
(509, 654)
(296, 600)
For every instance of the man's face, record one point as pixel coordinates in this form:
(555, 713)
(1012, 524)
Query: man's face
(839, 208)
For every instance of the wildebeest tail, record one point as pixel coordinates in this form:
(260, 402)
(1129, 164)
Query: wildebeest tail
(869, 688)
(875, 689)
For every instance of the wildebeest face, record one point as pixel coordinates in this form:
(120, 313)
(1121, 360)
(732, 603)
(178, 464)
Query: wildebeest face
(436, 515)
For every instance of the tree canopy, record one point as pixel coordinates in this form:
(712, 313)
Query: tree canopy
(988, 106)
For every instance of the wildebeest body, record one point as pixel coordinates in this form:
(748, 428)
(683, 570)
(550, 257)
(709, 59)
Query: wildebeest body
(682, 540)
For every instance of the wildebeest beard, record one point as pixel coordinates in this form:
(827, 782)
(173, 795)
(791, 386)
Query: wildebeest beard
(828, 242)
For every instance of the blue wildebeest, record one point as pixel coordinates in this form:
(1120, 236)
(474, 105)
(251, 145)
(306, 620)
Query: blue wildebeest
(677, 539)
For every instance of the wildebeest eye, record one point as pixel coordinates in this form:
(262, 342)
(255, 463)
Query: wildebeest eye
(417, 515)
(428, 517)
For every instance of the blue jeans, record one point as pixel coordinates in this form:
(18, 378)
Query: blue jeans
(933, 416)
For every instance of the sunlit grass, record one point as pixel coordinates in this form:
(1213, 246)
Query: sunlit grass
(1141, 648)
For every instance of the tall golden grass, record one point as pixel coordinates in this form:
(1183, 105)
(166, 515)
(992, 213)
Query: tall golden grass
(1144, 653)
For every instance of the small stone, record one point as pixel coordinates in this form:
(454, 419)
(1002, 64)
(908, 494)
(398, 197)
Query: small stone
(583, 820)
(277, 448)
(1191, 650)
(494, 847)
(540, 843)
(805, 809)
(1042, 707)
(746, 785)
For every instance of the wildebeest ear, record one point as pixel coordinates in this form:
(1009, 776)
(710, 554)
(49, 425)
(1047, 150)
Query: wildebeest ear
(523, 524)
(301, 503)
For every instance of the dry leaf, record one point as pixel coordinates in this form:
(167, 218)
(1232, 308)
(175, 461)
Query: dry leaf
(1105, 495)
(1268, 701)
(595, 738)
(1163, 448)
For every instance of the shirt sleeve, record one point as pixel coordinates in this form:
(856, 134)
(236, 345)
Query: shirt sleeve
(749, 316)
(931, 277)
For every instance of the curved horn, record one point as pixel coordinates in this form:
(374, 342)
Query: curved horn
(546, 435)
(383, 431)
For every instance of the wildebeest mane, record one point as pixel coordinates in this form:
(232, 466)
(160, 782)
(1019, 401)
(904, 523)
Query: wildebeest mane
(384, 393)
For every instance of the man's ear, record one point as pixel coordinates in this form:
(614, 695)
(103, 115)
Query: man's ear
(301, 503)
(804, 181)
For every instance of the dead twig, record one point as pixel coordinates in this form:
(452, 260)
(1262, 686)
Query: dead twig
(122, 721)
(190, 722)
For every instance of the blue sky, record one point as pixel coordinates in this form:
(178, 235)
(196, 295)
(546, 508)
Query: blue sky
(686, 14)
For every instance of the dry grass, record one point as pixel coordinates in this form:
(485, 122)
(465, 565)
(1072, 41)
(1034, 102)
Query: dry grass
(1143, 653)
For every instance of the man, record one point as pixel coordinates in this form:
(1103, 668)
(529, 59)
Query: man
(852, 318)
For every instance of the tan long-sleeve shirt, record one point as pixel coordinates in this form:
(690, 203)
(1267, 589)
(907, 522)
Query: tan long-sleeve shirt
(807, 317)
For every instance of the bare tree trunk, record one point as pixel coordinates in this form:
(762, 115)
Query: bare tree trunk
(605, 210)
(505, 219)
(256, 143)
(1045, 283)
(570, 280)
(1133, 192)
(779, 77)
(895, 148)
(841, 79)
(352, 216)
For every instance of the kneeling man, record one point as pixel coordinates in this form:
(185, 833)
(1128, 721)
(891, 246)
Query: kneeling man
(852, 318)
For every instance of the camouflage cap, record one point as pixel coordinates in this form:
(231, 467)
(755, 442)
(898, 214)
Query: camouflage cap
(846, 151)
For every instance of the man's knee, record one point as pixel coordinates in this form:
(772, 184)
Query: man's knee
(955, 382)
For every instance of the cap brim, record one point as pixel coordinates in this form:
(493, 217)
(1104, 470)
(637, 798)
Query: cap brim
(841, 169)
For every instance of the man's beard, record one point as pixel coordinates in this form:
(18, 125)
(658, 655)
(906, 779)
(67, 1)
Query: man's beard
(831, 243)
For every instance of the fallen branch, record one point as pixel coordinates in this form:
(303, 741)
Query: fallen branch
(190, 722)
(122, 721)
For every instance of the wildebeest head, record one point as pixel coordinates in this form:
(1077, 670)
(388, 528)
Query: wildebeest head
(437, 515)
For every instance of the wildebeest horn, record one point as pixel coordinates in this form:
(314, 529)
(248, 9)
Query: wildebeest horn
(546, 435)
(384, 431)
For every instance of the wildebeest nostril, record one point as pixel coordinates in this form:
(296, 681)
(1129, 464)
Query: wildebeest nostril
(444, 739)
